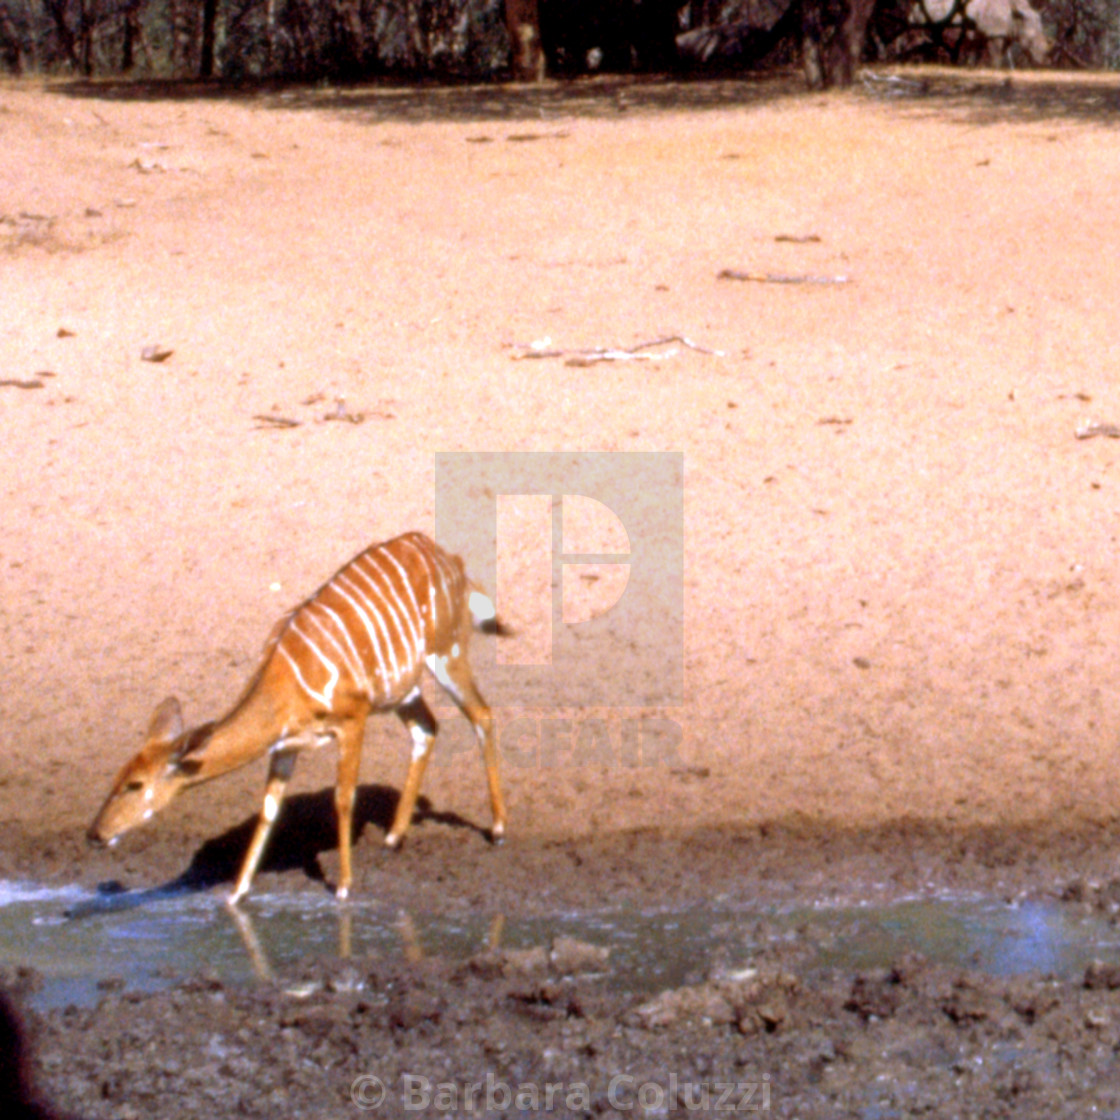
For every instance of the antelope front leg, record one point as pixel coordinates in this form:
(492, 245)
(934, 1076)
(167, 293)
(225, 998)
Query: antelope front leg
(280, 767)
(422, 726)
(349, 756)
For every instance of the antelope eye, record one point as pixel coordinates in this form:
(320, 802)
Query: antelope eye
(135, 786)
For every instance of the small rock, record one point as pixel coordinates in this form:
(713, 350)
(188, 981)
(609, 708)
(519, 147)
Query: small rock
(1100, 976)
(570, 955)
(509, 962)
(772, 1014)
(523, 962)
(702, 1003)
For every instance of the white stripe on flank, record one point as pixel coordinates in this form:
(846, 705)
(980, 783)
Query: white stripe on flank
(299, 677)
(367, 591)
(374, 640)
(313, 621)
(409, 639)
(451, 578)
(357, 661)
(425, 557)
(414, 615)
(379, 617)
(345, 648)
(328, 689)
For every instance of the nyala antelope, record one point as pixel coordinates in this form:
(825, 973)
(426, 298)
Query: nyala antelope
(357, 645)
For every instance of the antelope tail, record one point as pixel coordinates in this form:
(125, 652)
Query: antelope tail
(484, 616)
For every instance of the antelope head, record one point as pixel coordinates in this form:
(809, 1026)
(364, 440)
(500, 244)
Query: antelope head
(150, 779)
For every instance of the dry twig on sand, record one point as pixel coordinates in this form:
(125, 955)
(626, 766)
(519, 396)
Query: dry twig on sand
(19, 383)
(1087, 431)
(544, 349)
(341, 413)
(781, 277)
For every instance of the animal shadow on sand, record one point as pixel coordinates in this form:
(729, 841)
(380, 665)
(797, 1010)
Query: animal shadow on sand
(306, 829)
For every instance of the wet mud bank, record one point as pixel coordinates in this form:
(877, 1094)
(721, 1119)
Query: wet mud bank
(522, 1031)
(792, 1014)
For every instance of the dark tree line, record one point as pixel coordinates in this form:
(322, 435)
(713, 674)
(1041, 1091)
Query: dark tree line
(340, 39)
(330, 38)
(480, 39)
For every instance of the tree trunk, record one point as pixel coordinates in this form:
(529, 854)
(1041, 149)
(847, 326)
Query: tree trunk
(206, 49)
(853, 38)
(351, 51)
(128, 41)
(812, 44)
(269, 36)
(526, 55)
(180, 38)
(10, 49)
(85, 37)
(833, 36)
(654, 34)
(63, 32)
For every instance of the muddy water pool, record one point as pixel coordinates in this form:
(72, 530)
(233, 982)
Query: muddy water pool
(81, 943)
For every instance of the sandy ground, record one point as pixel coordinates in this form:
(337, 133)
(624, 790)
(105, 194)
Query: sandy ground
(900, 591)
(899, 580)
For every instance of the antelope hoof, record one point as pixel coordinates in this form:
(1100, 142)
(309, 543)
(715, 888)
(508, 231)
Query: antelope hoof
(341, 894)
(498, 835)
(393, 841)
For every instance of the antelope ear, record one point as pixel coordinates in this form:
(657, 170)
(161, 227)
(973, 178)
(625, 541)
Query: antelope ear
(186, 745)
(186, 767)
(167, 722)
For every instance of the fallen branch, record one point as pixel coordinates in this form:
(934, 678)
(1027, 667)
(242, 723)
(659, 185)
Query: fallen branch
(543, 349)
(1087, 431)
(780, 278)
(18, 383)
(888, 85)
(341, 413)
(275, 421)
